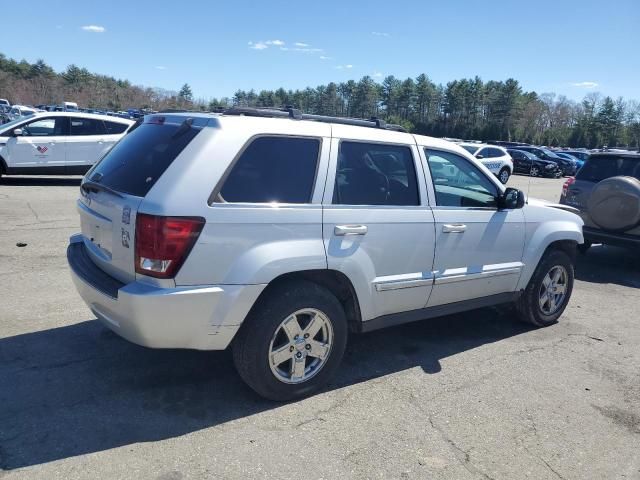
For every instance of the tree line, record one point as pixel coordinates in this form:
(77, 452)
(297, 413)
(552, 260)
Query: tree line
(466, 108)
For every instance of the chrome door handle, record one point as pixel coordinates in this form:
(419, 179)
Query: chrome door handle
(341, 230)
(453, 228)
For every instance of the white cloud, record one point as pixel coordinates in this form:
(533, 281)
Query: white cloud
(344, 67)
(300, 44)
(94, 28)
(377, 75)
(323, 57)
(381, 34)
(258, 45)
(348, 66)
(585, 84)
(160, 67)
(301, 49)
(277, 43)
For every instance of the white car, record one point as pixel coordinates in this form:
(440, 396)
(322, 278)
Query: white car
(495, 158)
(18, 111)
(57, 143)
(278, 236)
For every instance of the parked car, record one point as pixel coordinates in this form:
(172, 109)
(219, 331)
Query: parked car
(299, 232)
(606, 190)
(495, 158)
(4, 114)
(52, 143)
(19, 111)
(580, 154)
(528, 164)
(569, 167)
(568, 156)
(5, 102)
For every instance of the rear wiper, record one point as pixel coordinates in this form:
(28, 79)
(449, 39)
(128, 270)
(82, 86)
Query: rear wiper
(89, 186)
(184, 128)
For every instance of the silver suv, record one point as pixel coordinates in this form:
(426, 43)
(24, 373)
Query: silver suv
(277, 233)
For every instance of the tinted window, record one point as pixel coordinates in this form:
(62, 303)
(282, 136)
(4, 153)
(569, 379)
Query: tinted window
(115, 128)
(86, 126)
(135, 163)
(516, 155)
(495, 152)
(44, 127)
(373, 174)
(458, 183)
(600, 168)
(273, 169)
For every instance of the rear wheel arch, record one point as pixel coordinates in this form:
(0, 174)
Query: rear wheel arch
(3, 165)
(334, 281)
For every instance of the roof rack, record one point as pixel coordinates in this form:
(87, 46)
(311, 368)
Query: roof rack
(295, 114)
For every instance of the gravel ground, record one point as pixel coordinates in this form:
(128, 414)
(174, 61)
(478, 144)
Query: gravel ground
(470, 396)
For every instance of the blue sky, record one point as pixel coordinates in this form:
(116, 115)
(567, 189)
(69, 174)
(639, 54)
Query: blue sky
(564, 46)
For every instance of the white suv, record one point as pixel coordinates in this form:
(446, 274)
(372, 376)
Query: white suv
(495, 158)
(57, 143)
(278, 236)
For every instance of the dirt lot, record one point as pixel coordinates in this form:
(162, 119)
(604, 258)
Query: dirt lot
(476, 395)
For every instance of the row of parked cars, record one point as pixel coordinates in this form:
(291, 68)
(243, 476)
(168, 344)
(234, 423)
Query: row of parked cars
(507, 158)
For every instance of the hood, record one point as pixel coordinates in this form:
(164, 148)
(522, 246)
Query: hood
(544, 203)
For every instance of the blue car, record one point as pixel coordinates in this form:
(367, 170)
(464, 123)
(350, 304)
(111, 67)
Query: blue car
(569, 156)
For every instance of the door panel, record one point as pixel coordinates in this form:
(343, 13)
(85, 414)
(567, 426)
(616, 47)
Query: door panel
(85, 142)
(41, 145)
(386, 250)
(478, 247)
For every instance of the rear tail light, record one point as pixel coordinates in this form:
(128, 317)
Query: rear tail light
(567, 184)
(163, 243)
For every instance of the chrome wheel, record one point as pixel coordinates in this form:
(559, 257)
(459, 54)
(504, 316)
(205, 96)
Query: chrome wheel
(300, 346)
(504, 176)
(553, 290)
(534, 171)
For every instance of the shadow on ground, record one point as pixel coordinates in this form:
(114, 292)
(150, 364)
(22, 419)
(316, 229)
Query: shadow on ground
(605, 264)
(81, 389)
(36, 181)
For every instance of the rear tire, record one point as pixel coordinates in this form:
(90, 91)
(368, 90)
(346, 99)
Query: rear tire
(268, 336)
(504, 175)
(535, 171)
(548, 291)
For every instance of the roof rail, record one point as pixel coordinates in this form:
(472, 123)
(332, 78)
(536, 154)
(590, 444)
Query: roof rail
(294, 113)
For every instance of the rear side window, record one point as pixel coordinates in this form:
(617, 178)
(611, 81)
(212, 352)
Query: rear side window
(495, 152)
(114, 128)
(86, 126)
(135, 163)
(597, 169)
(273, 169)
(375, 174)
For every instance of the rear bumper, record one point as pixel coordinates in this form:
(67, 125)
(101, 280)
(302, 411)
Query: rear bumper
(595, 235)
(195, 317)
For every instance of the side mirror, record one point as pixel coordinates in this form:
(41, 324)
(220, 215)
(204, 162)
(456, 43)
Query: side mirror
(17, 132)
(480, 156)
(511, 199)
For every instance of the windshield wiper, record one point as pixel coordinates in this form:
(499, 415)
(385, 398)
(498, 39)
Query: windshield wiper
(89, 186)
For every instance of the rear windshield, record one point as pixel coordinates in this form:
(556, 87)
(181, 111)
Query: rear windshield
(136, 162)
(600, 168)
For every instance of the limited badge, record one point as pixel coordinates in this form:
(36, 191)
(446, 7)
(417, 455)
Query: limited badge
(125, 238)
(126, 215)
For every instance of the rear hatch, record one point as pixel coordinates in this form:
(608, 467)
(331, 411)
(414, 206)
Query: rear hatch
(113, 190)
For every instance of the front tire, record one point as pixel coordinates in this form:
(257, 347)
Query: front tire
(548, 291)
(504, 175)
(292, 341)
(535, 171)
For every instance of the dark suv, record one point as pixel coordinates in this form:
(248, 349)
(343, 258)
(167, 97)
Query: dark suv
(568, 167)
(606, 190)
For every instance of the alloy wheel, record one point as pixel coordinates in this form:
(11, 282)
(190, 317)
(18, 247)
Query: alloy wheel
(553, 290)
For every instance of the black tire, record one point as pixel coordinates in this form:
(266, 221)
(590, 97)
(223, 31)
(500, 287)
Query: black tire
(503, 175)
(252, 343)
(528, 305)
(583, 247)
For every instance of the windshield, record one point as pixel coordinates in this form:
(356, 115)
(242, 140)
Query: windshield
(472, 149)
(551, 154)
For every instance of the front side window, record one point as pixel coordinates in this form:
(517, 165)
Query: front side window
(86, 126)
(44, 127)
(458, 183)
(495, 152)
(472, 149)
(114, 128)
(375, 174)
(273, 170)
